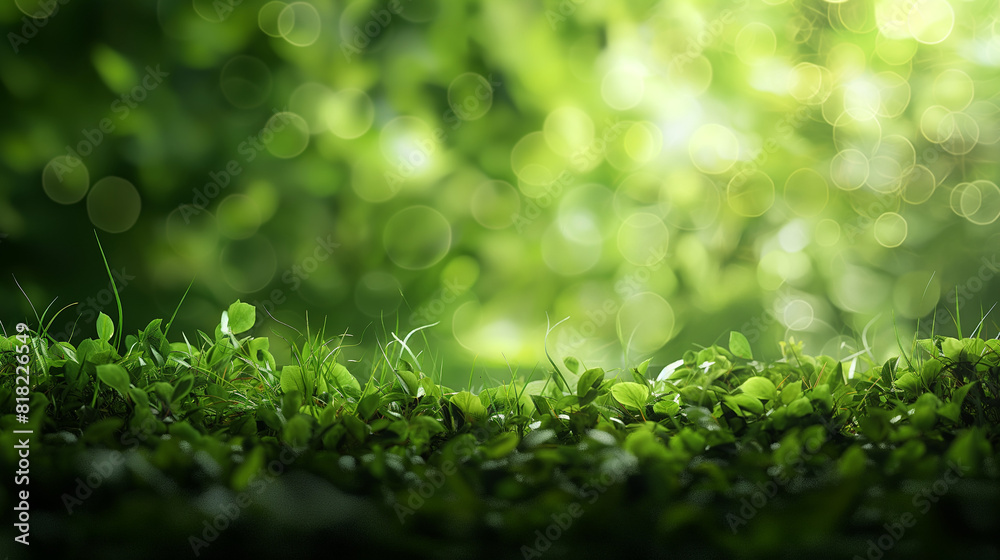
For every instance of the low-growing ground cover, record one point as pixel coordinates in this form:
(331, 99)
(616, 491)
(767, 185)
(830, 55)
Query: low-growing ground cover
(160, 444)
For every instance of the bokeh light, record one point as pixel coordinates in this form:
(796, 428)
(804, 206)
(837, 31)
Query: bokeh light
(245, 81)
(65, 180)
(890, 229)
(113, 204)
(299, 24)
(290, 135)
(248, 265)
(417, 237)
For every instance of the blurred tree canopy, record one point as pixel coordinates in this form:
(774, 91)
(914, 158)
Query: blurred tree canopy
(659, 172)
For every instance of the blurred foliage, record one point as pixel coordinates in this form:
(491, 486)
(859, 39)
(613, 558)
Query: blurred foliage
(658, 172)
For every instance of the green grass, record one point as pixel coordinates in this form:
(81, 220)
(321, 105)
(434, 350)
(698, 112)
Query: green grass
(825, 459)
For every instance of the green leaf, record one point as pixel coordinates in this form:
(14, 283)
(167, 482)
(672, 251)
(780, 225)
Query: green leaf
(666, 407)
(760, 387)
(908, 382)
(820, 395)
(852, 462)
(800, 407)
(930, 371)
(184, 431)
(407, 380)
(291, 402)
(500, 445)
(697, 396)
(163, 390)
(928, 346)
(114, 376)
(426, 386)
(153, 342)
(368, 405)
(886, 374)
(297, 431)
(260, 355)
(270, 417)
(739, 345)
(241, 317)
(959, 395)
(572, 364)
(337, 376)
(831, 371)
(355, 427)
(694, 441)
(791, 392)
(925, 412)
(992, 351)
(590, 379)
(631, 395)
(182, 388)
(105, 328)
(951, 411)
(253, 464)
(469, 404)
(952, 349)
(968, 449)
(541, 404)
(643, 367)
(540, 387)
(745, 402)
(139, 397)
(294, 378)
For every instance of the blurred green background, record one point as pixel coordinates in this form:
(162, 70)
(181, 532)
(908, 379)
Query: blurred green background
(658, 172)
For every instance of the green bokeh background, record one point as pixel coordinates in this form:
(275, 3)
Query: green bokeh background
(658, 172)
